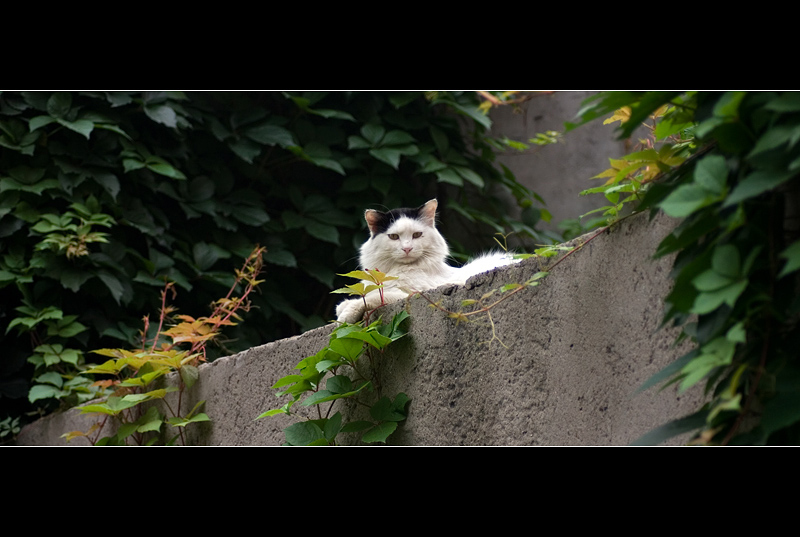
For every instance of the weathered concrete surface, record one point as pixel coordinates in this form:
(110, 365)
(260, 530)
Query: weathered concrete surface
(570, 356)
(559, 172)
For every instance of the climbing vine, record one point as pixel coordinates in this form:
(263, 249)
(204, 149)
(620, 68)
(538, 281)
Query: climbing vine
(129, 381)
(725, 165)
(337, 372)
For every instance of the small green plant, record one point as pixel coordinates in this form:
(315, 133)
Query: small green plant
(336, 372)
(668, 142)
(9, 428)
(179, 345)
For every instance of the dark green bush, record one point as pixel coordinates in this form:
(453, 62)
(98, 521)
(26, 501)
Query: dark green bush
(105, 195)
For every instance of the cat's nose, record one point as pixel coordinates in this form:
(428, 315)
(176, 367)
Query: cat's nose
(408, 249)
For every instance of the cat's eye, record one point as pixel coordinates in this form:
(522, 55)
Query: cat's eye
(418, 234)
(394, 236)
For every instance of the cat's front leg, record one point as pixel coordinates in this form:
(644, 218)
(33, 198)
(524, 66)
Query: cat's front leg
(350, 311)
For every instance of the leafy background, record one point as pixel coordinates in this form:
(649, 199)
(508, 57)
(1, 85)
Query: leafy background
(105, 195)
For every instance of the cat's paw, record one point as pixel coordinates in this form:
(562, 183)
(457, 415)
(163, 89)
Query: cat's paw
(350, 311)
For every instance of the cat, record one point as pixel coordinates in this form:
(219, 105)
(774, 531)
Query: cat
(405, 243)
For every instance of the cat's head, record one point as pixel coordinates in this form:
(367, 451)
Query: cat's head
(404, 236)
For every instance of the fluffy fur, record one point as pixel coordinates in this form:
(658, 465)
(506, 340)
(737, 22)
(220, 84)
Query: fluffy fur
(405, 243)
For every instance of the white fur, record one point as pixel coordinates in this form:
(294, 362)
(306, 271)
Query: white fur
(418, 262)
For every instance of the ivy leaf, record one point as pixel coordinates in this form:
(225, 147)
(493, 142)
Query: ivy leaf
(59, 104)
(348, 348)
(450, 176)
(711, 173)
(161, 113)
(162, 167)
(304, 433)
(685, 200)
(673, 428)
(717, 353)
(283, 258)
(268, 134)
(42, 391)
(726, 260)
(470, 176)
(113, 284)
(755, 184)
(792, 256)
(387, 155)
(372, 337)
(776, 137)
(323, 232)
(787, 102)
(83, 127)
(783, 409)
(380, 432)
(373, 133)
(388, 410)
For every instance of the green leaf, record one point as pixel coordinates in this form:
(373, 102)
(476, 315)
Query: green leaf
(162, 167)
(357, 142)
(776, 137)
(283, 258)
(162, 113)
(82, 126)
(52, 378)
(709, 301)
(183, 422)
(726, 261)
(683, 425)
(356, 426)
(40, 121)
(271, 135)
(323, 232)
(373, 133)
(711, 280)
(113, 284)
(450, 176)
(42, 391)
(59, 104)
(787, 102)
(387, 155)
(470, 176)
(387, 410)
(303, 433)
(755, 184)
(349, 348)
(716, 353)
(711, 173)
(783, 408)
(372, 337)
(189, 375)
(792, 256)
(380, 432)
(685, 200)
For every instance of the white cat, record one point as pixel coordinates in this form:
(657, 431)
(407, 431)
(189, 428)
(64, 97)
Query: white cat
(405, 243)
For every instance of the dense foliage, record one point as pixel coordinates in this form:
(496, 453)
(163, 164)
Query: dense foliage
(104, 196)
(726, 165)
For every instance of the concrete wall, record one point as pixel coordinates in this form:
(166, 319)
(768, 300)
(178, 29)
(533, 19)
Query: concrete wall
(576, 349)
(558, 172)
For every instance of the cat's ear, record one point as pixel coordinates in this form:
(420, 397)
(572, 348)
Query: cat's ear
(372, 217)
(427, 213)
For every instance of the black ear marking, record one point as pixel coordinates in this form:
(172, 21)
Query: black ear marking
(379, 222)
